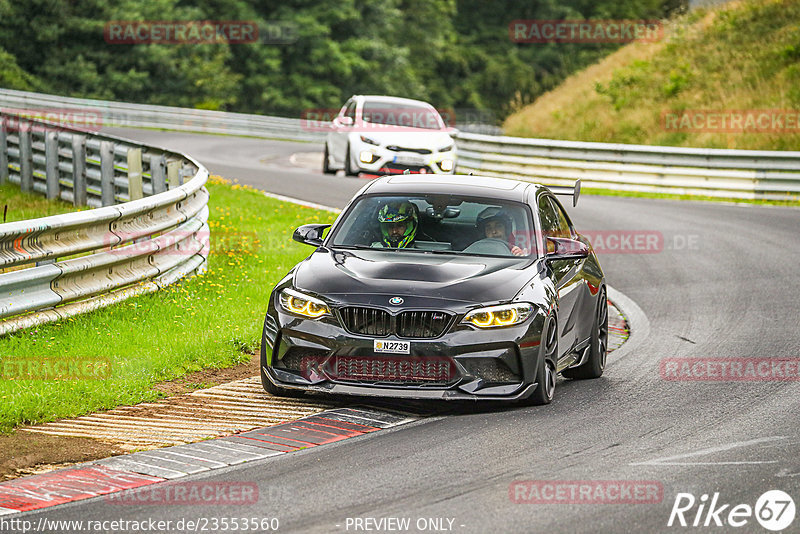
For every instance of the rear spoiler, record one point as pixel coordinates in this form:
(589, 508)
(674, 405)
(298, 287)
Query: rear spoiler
(573, 192)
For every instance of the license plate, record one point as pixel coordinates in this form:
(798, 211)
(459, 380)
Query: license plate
(403, 159)
(394, 347)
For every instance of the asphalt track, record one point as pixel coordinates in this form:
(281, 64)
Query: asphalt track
(724, 285)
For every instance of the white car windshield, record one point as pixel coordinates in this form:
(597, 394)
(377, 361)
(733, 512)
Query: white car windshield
(402, 114)
(444, 224)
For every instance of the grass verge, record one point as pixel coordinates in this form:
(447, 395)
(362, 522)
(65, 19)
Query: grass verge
(18, 206)
(208, 321)
(735, 56)
(672, 196)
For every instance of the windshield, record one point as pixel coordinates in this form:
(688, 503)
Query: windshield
(437, 223)
(401, 114)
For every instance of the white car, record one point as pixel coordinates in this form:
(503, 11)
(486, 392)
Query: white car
(388, 135)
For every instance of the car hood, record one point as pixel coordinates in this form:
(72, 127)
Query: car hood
(354, 275)
(418, 138)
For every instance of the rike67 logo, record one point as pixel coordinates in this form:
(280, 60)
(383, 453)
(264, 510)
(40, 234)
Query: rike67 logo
(774, 510)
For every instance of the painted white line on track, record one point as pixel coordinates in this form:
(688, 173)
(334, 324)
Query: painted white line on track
(670, 460)
(301, 202)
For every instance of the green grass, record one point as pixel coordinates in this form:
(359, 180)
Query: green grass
(20, 206)
(738, 56)
(209, 321)
(671, 196)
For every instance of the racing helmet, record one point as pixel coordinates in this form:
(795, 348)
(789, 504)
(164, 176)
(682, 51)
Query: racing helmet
(395, 212)
(493, 213)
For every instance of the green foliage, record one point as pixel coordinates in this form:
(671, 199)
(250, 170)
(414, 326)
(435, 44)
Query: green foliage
(677, 80)
(626, 84)
(453, 53)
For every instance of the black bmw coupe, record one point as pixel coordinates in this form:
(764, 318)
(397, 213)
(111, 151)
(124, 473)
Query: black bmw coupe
(445, 287)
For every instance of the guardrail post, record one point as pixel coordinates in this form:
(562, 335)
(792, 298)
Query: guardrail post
(3, 151)
(173, 173)
(135, 173)
(51, 164)
(25, 157)
(78, 170)
(107, 173)
(158, 165)
(184, 173)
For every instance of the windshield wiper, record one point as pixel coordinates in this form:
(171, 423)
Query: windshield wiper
(352, 247)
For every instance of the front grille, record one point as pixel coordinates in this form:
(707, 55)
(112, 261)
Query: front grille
(433, 369)
(367, 321)
(422, 323)
(296, 358)
(395, 148)
(396, 168)
(410, 324)
(489, 370)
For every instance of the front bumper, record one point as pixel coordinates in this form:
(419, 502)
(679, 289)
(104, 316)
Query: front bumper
(384, 161)
(498, 364)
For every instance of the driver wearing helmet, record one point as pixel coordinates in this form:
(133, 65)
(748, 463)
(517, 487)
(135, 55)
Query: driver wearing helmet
(398, 221)
(495, 223)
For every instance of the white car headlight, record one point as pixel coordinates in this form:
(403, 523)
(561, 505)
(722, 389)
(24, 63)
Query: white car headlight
(499, 316)
(447, 148)
(295, 302)
(369, 141)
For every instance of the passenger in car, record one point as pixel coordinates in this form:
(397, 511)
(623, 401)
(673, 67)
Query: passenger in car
(495, 223)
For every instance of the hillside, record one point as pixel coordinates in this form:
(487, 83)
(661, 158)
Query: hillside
(738, 62)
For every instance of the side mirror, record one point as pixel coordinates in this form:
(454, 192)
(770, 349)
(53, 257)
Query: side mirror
(344, 121)
(310, 234)
(559, 248)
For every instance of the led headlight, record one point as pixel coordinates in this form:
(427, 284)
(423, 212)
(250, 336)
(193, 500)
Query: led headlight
(446, 165)
(295, 302)
(369, 141)
(447, 148)
(499, 316)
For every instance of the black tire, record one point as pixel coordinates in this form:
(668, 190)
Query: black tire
(348, 168)
(268, 386)
(546, 371)
(598, 348)
(326, 167)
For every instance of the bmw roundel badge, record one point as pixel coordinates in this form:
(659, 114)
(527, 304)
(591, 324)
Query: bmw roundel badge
(396, 301)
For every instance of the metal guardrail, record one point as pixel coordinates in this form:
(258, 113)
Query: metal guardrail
(148, 230)
(125, 115)
(746, 174)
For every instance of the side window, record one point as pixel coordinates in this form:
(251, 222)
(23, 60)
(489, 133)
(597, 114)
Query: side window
(549, 217)
(563, 223)
(554, 222)
(351, 110)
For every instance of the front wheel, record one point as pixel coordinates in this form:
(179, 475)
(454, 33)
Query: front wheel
(598, 351)
(546, 372)
(348, 166)
(326, 166)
